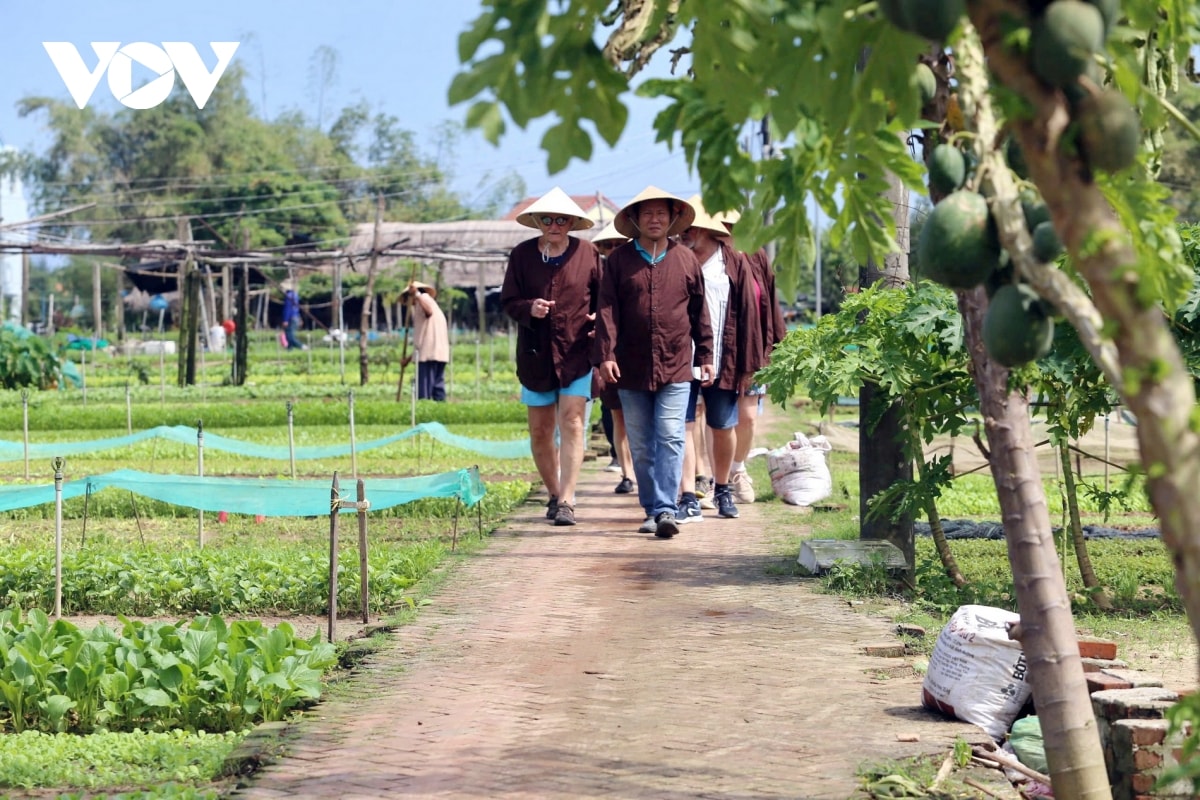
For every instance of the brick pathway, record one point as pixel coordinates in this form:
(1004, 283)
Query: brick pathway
(595, 661)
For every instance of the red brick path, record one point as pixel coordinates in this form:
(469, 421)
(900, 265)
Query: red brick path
(597, 662)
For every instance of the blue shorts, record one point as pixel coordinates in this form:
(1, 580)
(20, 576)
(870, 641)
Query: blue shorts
(580, 387)
(720, 406)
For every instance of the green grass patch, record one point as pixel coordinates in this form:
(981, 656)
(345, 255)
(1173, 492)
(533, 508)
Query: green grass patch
(32, 760)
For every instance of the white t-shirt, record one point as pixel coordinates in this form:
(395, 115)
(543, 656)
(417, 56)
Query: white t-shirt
(716, 297)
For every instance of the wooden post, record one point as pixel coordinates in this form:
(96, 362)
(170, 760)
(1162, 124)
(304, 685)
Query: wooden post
(335, 508)
(58, 464)
(339, 319)
(353, 445)
(200, 472)
(24, 287)
(97, 305)
(411, 303)
(25, 428)
(190, 331)
(363, 592)
(481, 306)
(226, 292)
(291, 439)
(366, 321)
(450, 336)
(241, 340)
(119, 307)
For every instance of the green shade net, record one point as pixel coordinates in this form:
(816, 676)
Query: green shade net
(265, 496)
(14, 451)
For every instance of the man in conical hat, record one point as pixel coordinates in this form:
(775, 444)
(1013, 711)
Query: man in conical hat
(651, 311)
(772, 329)
(550, 290)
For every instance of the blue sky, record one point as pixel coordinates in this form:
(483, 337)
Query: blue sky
(400, 56)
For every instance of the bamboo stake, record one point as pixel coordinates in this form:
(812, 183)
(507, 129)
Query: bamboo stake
(335, 503)
(363, 589)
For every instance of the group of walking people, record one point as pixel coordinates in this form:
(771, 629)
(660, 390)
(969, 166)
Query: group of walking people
(663, 319)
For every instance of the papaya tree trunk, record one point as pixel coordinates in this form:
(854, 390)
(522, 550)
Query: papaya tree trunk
(1047, 636)
(1086, 573)
(1141, 358)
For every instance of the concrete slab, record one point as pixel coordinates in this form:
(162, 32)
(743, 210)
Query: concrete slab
(819, 555)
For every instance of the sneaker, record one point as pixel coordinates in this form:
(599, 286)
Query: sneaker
(725, 506)
(552, 508)
(743, 486)
(689, 510)
(665, 525)
(707, 503)
(648, 525)
(565, 514)
(613, 466)
(703, 486)
(624, 487)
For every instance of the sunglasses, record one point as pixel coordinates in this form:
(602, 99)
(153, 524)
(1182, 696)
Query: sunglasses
(556, 220)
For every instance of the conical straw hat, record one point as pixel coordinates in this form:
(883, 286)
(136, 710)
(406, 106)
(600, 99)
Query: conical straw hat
(704, 219)
(414, 285)
(627, 227)
(609, 234)
(554, 203)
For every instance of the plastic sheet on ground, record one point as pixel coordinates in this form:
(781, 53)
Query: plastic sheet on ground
(974, 529)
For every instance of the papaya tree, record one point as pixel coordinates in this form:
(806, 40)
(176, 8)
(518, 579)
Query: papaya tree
(907, 343)
(842, 118)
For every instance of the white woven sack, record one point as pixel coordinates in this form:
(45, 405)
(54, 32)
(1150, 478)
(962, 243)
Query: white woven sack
(976, 673)
(799, 474)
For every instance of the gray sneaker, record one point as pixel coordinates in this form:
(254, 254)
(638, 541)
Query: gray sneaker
(648, 525)
(689, 510)
(665, 525)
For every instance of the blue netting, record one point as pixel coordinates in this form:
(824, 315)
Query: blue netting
(266, 496)
(14, 451)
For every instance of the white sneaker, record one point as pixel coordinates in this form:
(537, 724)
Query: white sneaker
(613, 466)
(648, 526)
(743, 487)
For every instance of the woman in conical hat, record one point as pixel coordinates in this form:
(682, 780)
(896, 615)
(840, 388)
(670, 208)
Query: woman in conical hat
(550, 290)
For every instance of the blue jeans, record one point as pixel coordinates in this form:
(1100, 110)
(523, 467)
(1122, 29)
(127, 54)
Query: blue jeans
(654, 424)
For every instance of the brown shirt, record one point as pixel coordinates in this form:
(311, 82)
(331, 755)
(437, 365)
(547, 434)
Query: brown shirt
(650, 315)
(555, 350)
(773, 326)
